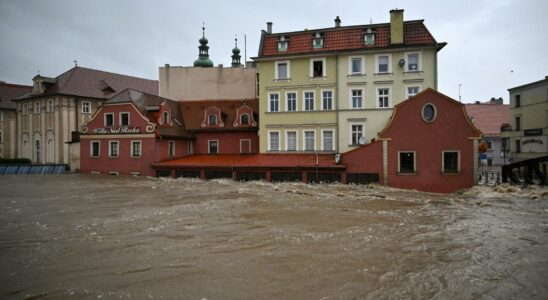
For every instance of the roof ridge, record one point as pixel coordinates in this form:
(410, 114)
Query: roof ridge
(342, 28)
(117, 74)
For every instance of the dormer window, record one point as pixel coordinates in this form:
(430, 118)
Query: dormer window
(317, 40)
(369, 37)
(212, 120)
(282, 44)
(244, 119)
(166, 117)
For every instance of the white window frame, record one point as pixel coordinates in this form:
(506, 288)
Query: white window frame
(332, 99)
(324, 67)
(91, 148)
(270, 101)
(110, 148)
(166, 118)
(86, 104)
(36, 107)
(414, 163)
(49, 107)
(377, 56)
(287, 100)
(389, 96)
(304, 140)
(241, 140)
(209, 120)
(276, 75)
(120, 118)
(350, 133)
(171, 148)
(362, 65)
(351, 100)
(218, 146)
(332, 140)
(296, 140)
(105, 119)
(313, 102)
(140, 148)
(443, 161)
(25, 108)
(419, 65)
(407, 87)
(269, 144)
(242, 118)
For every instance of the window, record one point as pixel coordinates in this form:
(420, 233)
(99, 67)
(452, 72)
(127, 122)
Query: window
(291, 98)
(213, 146)
(25, 108)
(245, 146)
(50, 106)
(412, 91)
(291, 140)
(37, 107)
(383, 64)
(1, 116)
(489, 145)
(517, 100)
(244, 119)
(369, 37)
(37, 151)
(308, 101)
(95, 149)
(356, 132)
(356, 65)
(317, 41)
(1, 137)
(406, 162)
(171, 149)
(451, 162)
(317, 67)
(429, 112)
(327, 140)
(327, 100)
(109, 119)
(383, 94)
(86, 107)
(518, 146)
(282, 44)
(356, 98)
(113, 149)
(135, 148)
(309, 140)
(413, 62)
(274, 102)
(212, 120)
(274, 141)
(282, 70)
(166, 117)
(518, 122)
(124, 119)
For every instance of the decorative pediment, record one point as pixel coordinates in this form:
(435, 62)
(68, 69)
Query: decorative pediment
(244, 117)
(212, 118)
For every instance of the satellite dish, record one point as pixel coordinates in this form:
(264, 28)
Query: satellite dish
(361, 141)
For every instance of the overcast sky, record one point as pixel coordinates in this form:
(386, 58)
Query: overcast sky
(493, 45)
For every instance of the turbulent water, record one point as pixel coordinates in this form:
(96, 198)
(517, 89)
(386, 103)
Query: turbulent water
(92, 237)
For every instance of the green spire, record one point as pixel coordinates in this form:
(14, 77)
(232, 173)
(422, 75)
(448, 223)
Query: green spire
(236, 55)
(203, 57)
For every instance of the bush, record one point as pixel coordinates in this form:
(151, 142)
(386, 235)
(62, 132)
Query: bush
(15, 161)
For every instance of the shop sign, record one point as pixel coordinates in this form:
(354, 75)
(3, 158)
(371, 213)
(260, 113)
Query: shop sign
(117, 130)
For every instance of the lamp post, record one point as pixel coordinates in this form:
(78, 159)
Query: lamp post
(460, 84)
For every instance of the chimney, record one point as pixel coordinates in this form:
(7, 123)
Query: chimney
(337, 22)
(396, 26)
(269, 27)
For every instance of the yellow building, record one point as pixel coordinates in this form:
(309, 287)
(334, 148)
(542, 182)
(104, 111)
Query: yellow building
(331, 89)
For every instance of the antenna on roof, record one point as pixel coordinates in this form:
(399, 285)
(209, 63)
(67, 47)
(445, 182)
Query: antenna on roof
(75, 63)
(370, 20)
(38, 71)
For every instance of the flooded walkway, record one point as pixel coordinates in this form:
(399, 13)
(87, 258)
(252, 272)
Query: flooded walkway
(92, 237)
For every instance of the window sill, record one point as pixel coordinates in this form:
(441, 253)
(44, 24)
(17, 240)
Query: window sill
(360, 75)
(450, 173)
(406, 174)
(383, 73)
(318, 77)
(94, 157)
(413, 72)
(113, 157)
(136, 156)
(282, 80)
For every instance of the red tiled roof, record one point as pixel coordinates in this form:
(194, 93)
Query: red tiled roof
(345, 38)
(489, 117)
(84, 82)
(193, 111)
(254, 160)
(9, 92)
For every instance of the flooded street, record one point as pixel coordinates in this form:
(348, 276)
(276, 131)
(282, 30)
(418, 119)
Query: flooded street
(93, 237)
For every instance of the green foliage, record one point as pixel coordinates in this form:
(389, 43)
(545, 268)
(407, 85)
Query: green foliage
(15, 161)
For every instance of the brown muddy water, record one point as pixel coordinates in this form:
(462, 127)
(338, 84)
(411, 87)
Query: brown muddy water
(94, 237)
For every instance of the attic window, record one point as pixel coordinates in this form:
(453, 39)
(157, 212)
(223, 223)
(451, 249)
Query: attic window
(369, 37)
(317, 40)
(166, 117)
(212, 120)
(282, 44)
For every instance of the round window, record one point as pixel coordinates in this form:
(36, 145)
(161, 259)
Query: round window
(428, 112)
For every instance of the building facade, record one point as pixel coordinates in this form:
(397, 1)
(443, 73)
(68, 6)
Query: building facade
(332, 89)
(50, 117)
(426, 158)
(8, 117)
(527, 135)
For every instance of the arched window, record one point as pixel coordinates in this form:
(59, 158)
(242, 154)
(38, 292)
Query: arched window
(37, 150)
(244, 119)
(166, 117)
(212, 120)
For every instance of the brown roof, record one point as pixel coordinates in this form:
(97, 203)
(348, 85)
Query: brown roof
(194, 112)
(346, 39)
(489, 117)
(146, 103)
(84, 82)
(9, 91)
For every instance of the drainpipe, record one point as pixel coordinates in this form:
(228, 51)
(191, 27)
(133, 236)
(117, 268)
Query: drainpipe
(337, 99)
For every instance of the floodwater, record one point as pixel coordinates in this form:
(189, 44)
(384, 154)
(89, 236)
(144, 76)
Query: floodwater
(95, 237)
